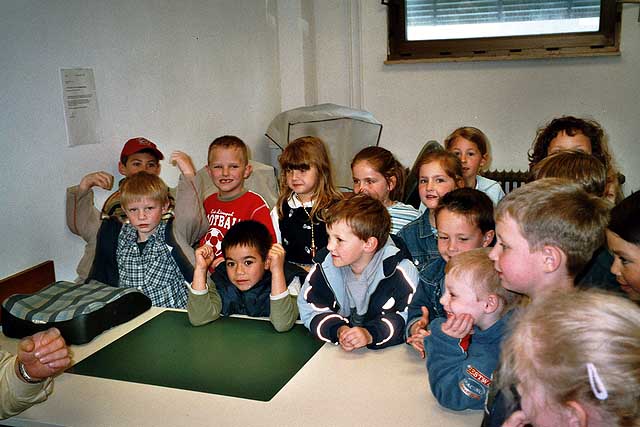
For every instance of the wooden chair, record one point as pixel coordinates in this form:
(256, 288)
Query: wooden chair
(28, 281)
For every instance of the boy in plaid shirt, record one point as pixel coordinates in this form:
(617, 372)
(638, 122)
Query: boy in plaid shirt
(149, 252)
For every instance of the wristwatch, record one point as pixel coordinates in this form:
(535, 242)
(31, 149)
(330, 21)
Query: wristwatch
(25, 376)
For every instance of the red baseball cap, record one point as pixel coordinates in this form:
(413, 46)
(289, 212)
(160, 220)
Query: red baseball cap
(135, 145)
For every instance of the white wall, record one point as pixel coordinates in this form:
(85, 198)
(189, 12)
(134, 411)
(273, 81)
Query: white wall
(178, 72)
(508, 100)
(182, 73)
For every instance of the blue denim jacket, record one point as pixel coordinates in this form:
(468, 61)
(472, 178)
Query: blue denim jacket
(430, 289)
(420, 241)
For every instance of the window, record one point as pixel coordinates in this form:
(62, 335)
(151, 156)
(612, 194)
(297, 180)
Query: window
(438, 30)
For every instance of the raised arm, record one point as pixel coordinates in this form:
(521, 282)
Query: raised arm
(204, 304)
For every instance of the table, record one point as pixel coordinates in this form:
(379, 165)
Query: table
(334, 388)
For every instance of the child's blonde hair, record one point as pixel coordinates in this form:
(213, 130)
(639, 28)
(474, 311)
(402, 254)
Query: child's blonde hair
(558, 212)
(301, 154)
(449, 162)
(563, 342)
(469, 133)
(583, 168)
(365, 216)
(143, 185)
(229, 142)
(384, 162)
(481, 274)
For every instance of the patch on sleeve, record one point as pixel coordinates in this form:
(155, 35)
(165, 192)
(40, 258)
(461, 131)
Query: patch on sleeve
(479, 376)
(471, 388)
(475, 384)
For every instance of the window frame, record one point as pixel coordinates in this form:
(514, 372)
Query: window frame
(605, 42)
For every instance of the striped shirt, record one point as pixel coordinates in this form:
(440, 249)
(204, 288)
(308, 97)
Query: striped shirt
(401, 215)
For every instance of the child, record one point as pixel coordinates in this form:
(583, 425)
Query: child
(228, 167)
(138, 154)
(471, 146)
(376, 172)
(464, 218)
(546, 232)
(461, 365)
(572, 133)
(577, 166)
(306, 189)
(148, 253)
(575, 358)
(357, 293)
(439, 172)
(590, 173)
(252, 280)
(623, 240)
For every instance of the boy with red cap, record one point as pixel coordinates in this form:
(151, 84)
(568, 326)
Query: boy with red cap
(138, 154)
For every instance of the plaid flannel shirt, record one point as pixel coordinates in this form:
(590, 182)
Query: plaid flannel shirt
(154, 271)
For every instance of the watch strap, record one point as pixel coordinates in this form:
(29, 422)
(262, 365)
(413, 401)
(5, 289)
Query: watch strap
(25, 376)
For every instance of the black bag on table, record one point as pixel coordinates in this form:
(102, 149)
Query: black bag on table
(79, 311)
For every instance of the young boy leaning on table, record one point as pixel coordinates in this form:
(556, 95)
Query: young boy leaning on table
(357, 292)
(463, 348)
(254, 279)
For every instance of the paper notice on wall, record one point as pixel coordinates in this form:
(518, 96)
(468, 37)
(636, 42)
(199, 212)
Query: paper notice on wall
(80, 105)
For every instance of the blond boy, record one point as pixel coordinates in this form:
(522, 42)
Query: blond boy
(228, 166)
(462, 350)
(148, 252)
(357, 292)
(546, 232)
(138, 154)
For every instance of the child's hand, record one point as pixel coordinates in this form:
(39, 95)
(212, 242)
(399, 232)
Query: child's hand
(418, 331)
(458, 325)
(96, 179)
(216, 262)
(183, 162)
(353, 338)
(275, 263)
(204, 257)
(517, 419)
(275, 258)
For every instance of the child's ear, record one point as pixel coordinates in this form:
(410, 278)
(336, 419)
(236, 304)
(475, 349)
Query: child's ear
(165, 207)
(484, 160)
(487, 238)
(122, 169)
(209, 171)
(371, 244)
(552, 258)
(392, 182)
(576, 414)
(492, 303)
(247, 170)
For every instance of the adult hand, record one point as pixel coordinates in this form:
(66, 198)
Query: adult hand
(44, 354)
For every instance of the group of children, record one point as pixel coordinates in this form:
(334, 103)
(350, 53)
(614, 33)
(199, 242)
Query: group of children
(451, 277)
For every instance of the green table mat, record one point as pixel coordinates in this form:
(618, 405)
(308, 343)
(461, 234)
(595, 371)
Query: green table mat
(232, 356)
